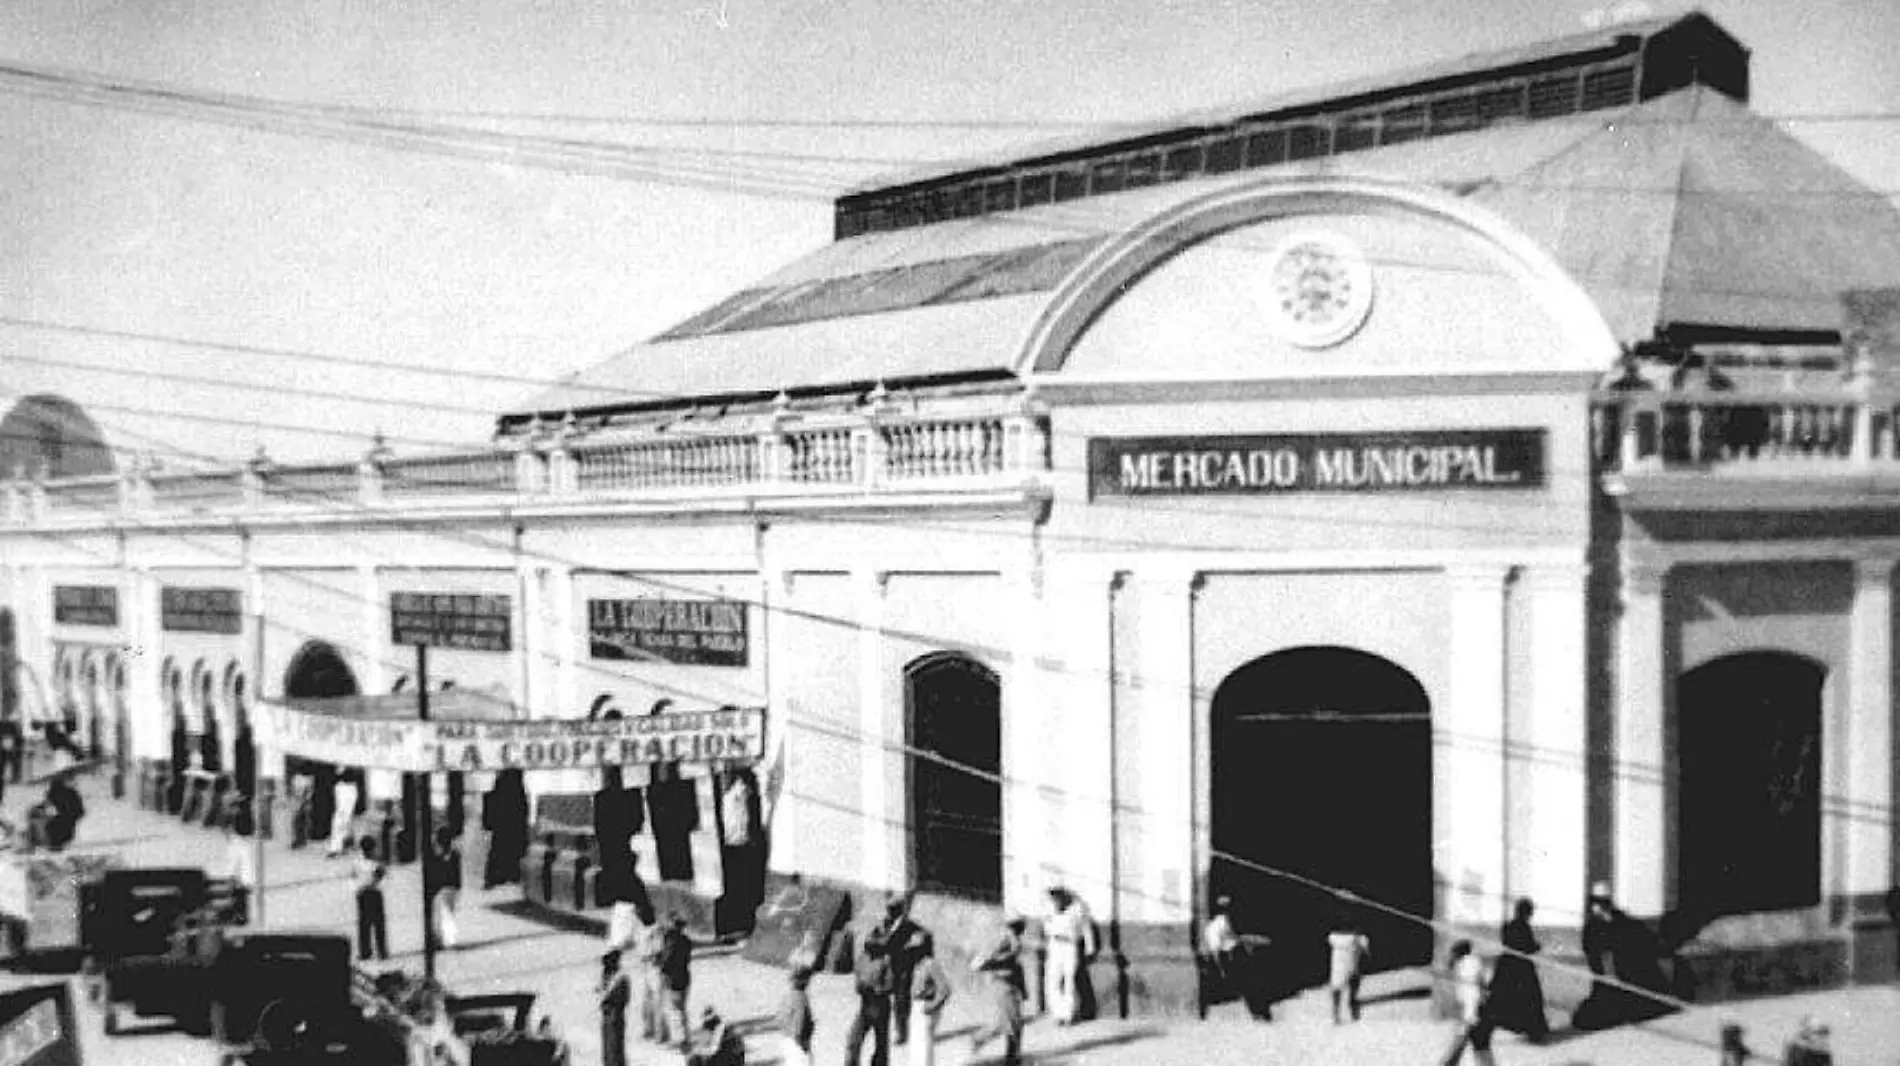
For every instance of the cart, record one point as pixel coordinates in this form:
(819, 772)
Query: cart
(42, 916)
(152, 935)
(494, 1029)
(281, 999)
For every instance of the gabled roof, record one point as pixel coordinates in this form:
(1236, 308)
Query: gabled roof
(1685, 210)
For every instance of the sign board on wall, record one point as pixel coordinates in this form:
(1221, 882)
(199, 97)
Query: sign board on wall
(1266, 464)
(451, 620)
(85, 605)
(731, 735)
(193, 610)
(687, 632)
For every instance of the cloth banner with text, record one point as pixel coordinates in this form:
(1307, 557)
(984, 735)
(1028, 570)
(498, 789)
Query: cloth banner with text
(727, 736)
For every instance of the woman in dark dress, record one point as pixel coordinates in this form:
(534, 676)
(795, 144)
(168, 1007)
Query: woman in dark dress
(1517, 994)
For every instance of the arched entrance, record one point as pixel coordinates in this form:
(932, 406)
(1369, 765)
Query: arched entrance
(953, 711)
(1322, 768)
(319, 671)
(1749, 789)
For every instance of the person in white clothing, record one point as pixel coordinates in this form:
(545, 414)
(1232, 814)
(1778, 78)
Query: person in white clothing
(1070, 934)
(1470, 980)
(342, 817)
(1349, 950)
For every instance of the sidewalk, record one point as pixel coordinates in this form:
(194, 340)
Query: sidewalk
(507, 951)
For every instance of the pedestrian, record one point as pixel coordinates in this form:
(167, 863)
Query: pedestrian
(714, 1043)
(372, 924)
(1349, 950)
(1070, 934)
(64, 809)
(632, 908)
(342, 815)
(929, 991)
(795, 1020)
(1517, 993)
(1809, 1046)
(902, 937)
(1001, 968)
(303, 827)
(615, 991)
(1237, 959)
(676, 974)
(445, 879)
(1734, 1051)
(649, 944)
(874, 973)
(1468, 979)
(1617, 944)
(240, 857)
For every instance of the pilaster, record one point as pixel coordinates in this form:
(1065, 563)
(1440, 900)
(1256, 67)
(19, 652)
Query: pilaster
(1548, 830)
(1165, 683)
(1078, 811)
(1030, 858)
(1642, 855)
(1866, 822)
(1474, 726)
(150, 715)
(884, 860)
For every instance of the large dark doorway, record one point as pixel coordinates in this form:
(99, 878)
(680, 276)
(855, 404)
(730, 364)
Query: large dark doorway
(953, 705)
(1322, 769)
(319, 671)
(1749, 792)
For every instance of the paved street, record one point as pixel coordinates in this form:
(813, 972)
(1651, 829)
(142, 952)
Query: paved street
(505, 951)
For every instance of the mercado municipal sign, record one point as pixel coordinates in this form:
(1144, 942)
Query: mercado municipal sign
(727, 735)
(1317, 462)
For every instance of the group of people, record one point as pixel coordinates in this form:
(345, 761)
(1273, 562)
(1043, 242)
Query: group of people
(647, 969)
(442, 879)
(1240, 962)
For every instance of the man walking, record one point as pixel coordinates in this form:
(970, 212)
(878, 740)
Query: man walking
(875, 980)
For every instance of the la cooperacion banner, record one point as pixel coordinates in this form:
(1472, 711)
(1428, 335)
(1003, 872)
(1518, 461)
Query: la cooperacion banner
(732, 735)
(687, 632)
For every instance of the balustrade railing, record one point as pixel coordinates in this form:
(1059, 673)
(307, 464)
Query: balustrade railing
(687, 462)
(198, 491)
(480, 473)
(850, 454)
(1739, 433)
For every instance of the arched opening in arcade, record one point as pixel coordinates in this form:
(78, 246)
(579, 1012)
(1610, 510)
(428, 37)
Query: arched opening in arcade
(1322, 769)
(120, 738)
(243, 742)
(1748, 752)
(953, 714)
(92, 702)
(317, 672)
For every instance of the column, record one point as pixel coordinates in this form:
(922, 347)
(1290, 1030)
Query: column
(782, 734)
(1549, 833)
(151, 717)
(1078, 818)
(1866, 827)
(1165, 684)
(1029, 706)
(381, 661)
(1641, 835)
(1473, 735)
(883, 826)
(564, 635)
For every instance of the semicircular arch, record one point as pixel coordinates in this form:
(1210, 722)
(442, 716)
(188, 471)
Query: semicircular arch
(1122, 261)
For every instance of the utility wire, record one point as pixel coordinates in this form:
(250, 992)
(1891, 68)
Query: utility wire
(1552, 757)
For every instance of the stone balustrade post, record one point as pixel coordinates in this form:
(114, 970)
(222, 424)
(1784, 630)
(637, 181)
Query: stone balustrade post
(255, 479)
(370, 473)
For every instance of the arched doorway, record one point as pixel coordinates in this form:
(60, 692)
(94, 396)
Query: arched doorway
(1748, 752)
(318, 671)
(121, 729)
(953, 709)
(1322, 768)
(9, 663)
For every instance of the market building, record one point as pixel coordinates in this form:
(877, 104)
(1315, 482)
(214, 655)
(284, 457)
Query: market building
(1464, 485)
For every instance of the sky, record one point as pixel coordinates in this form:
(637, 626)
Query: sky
(329, 289)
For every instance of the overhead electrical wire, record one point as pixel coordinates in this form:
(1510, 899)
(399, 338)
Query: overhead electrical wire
(1118, 811)
(1526, 751)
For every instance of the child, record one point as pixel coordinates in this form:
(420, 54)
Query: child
(372, 923)
(794, 1019)
(1734, 1051)
(1350, 948)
